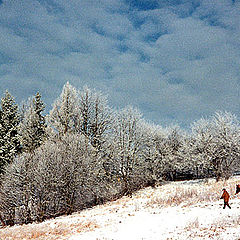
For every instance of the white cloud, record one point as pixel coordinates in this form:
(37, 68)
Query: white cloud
(175, 62)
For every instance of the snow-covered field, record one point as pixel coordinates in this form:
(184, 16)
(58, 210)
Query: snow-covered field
(177, 210)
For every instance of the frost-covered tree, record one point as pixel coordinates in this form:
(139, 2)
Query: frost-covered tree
(226, 146)
(163, 150)
(9, 137)
(85, 112)
(1, 142)
(58, 178)
(154, 137)
(128, 159)
(33, 126)
(171, 151)
(64, 115)
(95, 119)
(198, 148)
(216, 142)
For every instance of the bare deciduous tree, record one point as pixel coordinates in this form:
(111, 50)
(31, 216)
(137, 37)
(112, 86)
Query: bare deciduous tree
(64, 113)
(96, 116)
(216, 143)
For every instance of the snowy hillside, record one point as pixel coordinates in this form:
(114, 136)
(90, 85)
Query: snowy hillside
(178, 210)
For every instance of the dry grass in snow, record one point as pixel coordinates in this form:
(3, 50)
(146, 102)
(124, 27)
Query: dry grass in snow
(53, 229)
(177, 210)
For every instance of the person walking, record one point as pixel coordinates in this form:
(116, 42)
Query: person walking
(225, 196)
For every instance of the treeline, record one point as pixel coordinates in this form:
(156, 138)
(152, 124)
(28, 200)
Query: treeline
(84, 153)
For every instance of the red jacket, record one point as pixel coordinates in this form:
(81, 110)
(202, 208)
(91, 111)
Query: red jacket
(225, 196)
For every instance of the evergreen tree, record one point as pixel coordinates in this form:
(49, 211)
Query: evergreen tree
(9, 138)
(33, 126)
(1, 141)
(39, 107)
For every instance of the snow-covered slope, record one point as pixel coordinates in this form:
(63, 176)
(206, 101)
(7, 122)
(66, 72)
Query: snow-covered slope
(179, 210)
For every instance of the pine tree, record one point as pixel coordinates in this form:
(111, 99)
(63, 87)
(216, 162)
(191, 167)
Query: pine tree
(39, 107)
(9, 138)
(1, 141)
(33, 126)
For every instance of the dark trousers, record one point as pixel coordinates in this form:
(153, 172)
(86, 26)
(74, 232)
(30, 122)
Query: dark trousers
(226, 204)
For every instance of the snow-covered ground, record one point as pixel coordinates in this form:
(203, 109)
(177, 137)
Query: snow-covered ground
(195, 222)
(179, 210)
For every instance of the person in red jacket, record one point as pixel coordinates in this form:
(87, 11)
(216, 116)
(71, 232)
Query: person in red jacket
(225, 196)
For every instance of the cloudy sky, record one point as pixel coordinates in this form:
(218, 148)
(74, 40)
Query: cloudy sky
(176, 60)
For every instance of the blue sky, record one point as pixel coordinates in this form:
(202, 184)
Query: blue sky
(175, 60)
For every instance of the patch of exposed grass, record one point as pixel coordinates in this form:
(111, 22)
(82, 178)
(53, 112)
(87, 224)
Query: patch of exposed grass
(178, 193)
(53, 231)
(195, 230)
